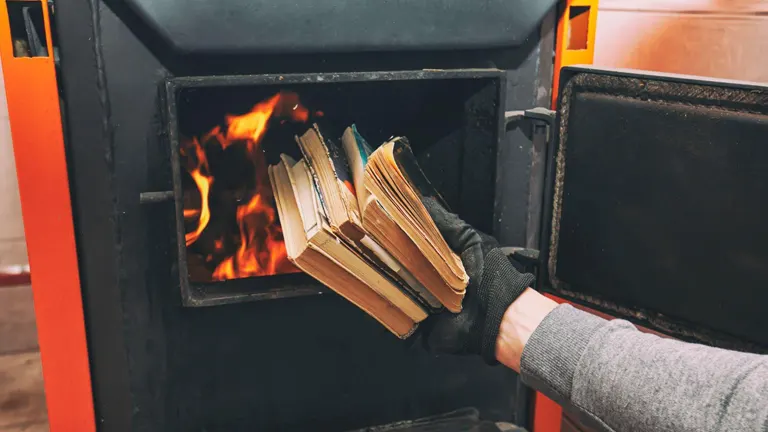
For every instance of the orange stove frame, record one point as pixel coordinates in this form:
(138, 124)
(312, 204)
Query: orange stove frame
(41, 166)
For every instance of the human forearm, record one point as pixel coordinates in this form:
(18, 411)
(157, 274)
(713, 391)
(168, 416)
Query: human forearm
(618, 379)
(519, 322)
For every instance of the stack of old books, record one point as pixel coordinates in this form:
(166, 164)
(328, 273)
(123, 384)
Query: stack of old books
(353, 219)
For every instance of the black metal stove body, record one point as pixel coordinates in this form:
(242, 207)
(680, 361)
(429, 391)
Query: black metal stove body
(308, 362)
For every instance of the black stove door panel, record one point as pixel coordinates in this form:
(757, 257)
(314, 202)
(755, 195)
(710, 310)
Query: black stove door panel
(305, 26)
(659, 191)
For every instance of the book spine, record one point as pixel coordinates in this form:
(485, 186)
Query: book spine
(313, 173)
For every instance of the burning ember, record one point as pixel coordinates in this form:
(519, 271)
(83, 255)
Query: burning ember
(232, 230)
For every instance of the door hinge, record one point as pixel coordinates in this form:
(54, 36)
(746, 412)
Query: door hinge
(542, 121)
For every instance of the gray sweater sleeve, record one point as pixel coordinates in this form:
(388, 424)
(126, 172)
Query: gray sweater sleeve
(615, 378)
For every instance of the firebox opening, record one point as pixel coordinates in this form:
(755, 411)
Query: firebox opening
(229, 134)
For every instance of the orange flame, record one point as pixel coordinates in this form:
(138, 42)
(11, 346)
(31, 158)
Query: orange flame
(191, 213)
(261, 249)
(251, 126)
(256, 255)
(216, 135)
(203, 181)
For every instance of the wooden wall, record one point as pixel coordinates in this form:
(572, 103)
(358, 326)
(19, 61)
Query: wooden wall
(13, 249)
(719, 38)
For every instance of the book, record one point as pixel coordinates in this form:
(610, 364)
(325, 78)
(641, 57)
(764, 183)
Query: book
(361, 210)
(394, 216)
(358, 152)
(313, 247)
(331, 174)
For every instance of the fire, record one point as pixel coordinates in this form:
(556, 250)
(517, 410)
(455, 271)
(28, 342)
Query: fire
(267, 257)
(251, 126)
(260, 249)
(203, 181)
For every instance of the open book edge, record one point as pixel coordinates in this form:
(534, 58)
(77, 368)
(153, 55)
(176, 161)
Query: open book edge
(382, 228)
(398, 196)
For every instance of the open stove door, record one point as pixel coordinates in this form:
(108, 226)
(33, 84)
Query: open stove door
(657, 201)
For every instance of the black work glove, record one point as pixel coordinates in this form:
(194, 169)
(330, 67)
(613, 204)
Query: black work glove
(494, 283)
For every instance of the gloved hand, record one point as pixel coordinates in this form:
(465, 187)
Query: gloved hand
(494, 283)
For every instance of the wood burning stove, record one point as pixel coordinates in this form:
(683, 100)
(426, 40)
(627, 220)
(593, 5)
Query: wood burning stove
(142, 82)
(140, 79)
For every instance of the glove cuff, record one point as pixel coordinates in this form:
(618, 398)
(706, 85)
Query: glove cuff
(502, 284)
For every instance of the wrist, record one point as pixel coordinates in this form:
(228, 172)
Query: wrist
(519, 322)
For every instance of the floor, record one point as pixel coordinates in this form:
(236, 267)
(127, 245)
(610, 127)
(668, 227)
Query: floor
(22, 398)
